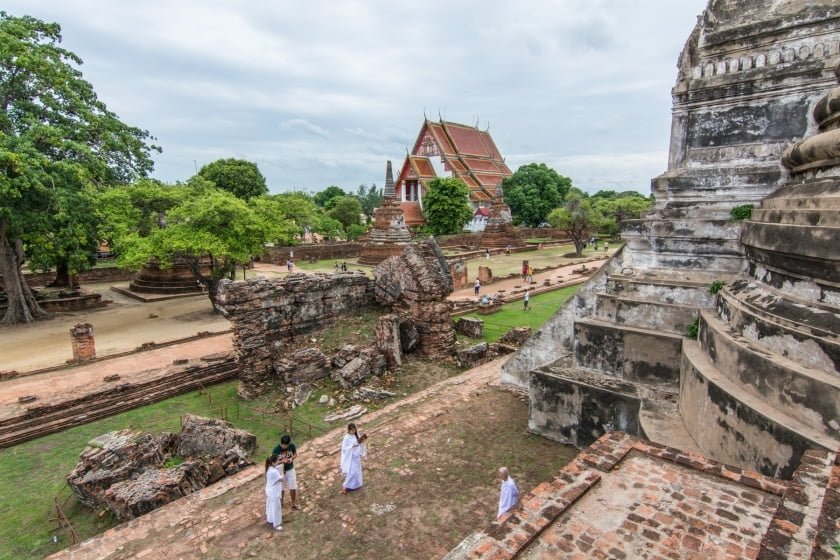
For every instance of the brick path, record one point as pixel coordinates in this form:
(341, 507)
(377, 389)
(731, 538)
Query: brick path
(225, 520)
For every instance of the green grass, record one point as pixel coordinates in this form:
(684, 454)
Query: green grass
(328, 265)
(513, 315)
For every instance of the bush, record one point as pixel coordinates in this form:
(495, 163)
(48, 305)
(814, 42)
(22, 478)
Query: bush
(716, 286)
(742, 212)
(693, 329)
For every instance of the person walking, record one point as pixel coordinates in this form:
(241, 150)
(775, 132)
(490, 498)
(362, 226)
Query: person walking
(289, 265)
(350, 439)
(509, 494)
(527, 300)
(287, 451)
(487, 254)
(273, 491)
(477, 286)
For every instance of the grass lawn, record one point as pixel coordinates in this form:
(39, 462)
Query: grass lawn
(32, 473)
(513, 315)
(328, 265)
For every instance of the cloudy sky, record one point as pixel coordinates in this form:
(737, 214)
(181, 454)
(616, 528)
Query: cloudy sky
(320, 93)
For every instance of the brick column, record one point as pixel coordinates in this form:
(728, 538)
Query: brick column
(81, 337)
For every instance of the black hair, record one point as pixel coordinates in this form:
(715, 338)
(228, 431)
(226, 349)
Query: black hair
(286, 439)
(270, 461)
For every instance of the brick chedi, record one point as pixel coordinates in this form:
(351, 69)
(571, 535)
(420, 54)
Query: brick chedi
(268, 313)
(389, 234)
(419, 282)
(499, 231)
(759, 386)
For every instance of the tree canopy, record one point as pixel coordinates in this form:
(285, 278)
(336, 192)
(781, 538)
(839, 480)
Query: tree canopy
(533, 191)
(325, 198)
(58, 143)
(577, 218)
(239, 177)
(370, 197)
(346, 210)
(446, 206)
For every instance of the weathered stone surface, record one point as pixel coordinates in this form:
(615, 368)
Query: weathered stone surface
(306, 365)
(408, 335)
(206, 437)
(345, 354)
(472, 355)
(349, 414)
(125, 470)
(389, 234)
(516, 336)
(460, 275)
(266, 313)
(419, 281)
(485, 275)
(469, 326)
(82, 341)
(375, 393)
(388, 339)
(368, 363)
(114, 457)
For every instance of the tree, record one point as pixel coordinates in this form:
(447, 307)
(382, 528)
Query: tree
(533, 191)
(324, 199)
(237, 176)
(294, 213)
(370, 197)
(577, 218)
(56, 139)
(208, 229)
(354, 231)
(446, 206)
(617, 207)
(329, 228)
(346, 210)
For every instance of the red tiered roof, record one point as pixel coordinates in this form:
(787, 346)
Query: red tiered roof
(467, 152)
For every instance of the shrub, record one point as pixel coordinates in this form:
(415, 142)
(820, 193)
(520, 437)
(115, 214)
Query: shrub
(742, 212)
(173, 462)
(693, 329)
(716, 286)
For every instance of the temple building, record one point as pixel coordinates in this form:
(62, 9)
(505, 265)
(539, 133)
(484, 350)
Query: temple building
(450, 149)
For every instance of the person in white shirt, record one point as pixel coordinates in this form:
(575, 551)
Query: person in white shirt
(509, 496)
(351, 438)
(353, 480)
(273, 490)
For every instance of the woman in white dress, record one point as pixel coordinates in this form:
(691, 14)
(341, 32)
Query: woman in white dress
(353, 479)
(351, 438)
(273, 490)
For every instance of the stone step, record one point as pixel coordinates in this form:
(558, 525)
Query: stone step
(733, 426)
(686, 246)
(819, 242)
(629, 353)
(811, 396)
(682, 228)
(822, 217)
(660, 421)
(675, 276)
(812, 347)
(808, 195)
(804, 288)
(685, 260)
(682, 293)
(642, 313)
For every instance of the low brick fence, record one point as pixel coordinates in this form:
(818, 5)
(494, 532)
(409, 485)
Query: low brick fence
(320, 251)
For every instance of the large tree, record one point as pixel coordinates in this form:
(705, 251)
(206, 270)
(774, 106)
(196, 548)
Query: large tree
(210, 230)
(326, 198)
(56, 138)
(347, 210)
(239, 177)
(534, 191)
(577, 218)
(446, 206)
(370, 197)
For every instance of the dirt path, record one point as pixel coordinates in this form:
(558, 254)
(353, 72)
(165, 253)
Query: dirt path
(122, 325)
(83, 379)
(429, 481)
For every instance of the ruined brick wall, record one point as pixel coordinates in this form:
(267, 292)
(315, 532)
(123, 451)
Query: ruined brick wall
(267, 313)
(420, 281)
(321, 251)
(81, 338)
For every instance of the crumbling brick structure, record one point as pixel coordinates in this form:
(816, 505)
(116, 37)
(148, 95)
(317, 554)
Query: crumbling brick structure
(267, 313)
(81, 338)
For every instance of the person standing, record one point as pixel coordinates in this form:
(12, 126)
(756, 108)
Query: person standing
(477, 286)
(287, 451)
(353, 480)
(487, 254)
(289, 265)
(527, 300)
(509, 494)
(273, 491)
(350, 439)
(606, 246)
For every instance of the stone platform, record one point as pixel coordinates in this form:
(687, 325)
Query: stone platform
(626, 498)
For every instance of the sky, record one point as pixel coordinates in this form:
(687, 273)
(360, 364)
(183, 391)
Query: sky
(322, 93)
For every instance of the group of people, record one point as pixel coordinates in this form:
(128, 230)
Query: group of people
(280, 475)
(341, 267)
(280, 472)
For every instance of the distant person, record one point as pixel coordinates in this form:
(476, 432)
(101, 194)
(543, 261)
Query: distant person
(354, 479)
(530, 274)
(527, 300)
(343, 267)
(336, 266)
(477, 286)
(507, 250)
(509, 495)
(350, 439)
(487, 254)
(606, 246)
(289, 265)
(273, 491)
(287, 451)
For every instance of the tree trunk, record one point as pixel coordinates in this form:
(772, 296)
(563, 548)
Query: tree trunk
(63, 278)
(22, 307)
(578, 241)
